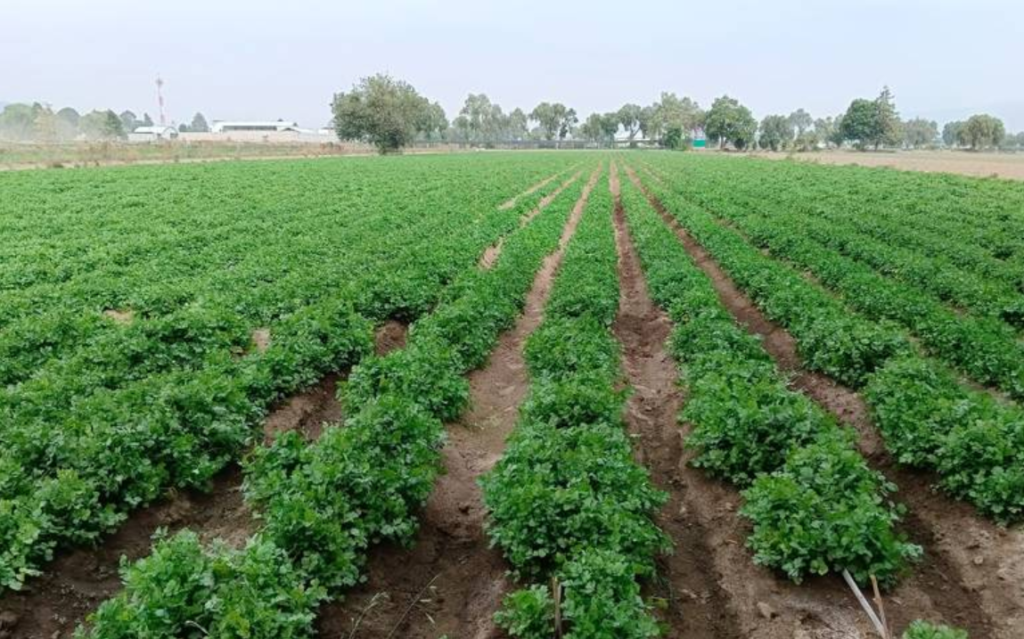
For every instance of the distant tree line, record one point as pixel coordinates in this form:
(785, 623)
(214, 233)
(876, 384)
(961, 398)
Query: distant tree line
(40, 123)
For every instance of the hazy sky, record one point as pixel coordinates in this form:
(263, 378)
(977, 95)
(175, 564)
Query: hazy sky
(267, 60)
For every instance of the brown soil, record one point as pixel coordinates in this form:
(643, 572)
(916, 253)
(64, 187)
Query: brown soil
(77, 581)
(944, 585)
(1004, 165)
(493, 252)
(123, 317)
(688, 580)
(452, 582)
(261, 339)
(527, 193)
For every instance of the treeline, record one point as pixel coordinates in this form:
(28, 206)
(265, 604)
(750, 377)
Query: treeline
(390, 114)
(40, 123)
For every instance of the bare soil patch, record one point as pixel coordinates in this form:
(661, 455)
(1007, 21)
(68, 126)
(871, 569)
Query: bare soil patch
(527, 193)
(938, 587)
(121, 316)
(452, 582)
(1003, 165)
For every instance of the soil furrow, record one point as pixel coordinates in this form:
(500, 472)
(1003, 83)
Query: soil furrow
(451, 582)
(688, 581)
(504, 206)
(76, 582)
(493, 252)
(938, 587)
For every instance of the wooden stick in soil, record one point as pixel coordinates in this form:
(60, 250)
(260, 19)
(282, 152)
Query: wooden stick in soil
(865, 604)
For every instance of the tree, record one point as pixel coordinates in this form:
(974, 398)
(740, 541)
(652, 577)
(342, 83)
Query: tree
(729, 121)
(951, 133)
(673, 137)
(610, 125)
(859, 124)
(435, 125)
(681, 114)
(801, 121)
(887, 121)
(825, 130)
(482, 121)
(46, 126)
(554, 119)
(385, 112)
(199, 124)
(128, 121)
(776, 132)
(67, 123)
(17, 121)
(113, 127)
(981, 131)
(146, 120)
(920, 133)
(518, 125)
(629, 118)
(650, 126)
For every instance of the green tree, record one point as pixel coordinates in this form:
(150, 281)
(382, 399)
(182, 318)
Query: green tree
(113, 127)
(518, 125)
(146, 120)
(629, 118)
(674, 138)
(199, 124)
(650, 123)
(859, 124)
(435, 124)
(825, 129)
(887, 120)
(17, 122)
(610, 125)
(682, 113)
(128, 121)
(730, 122)
(982, 131)
(920, 133)
(567, 124)
(554, 119)
(951, 133)
(801, 121)
(385, 112)
(776, 132)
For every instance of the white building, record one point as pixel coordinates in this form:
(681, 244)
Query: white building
(254, 127)
(153, 134)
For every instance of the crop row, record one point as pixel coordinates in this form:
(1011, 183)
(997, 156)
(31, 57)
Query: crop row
(322, 504)
(979, 458)
(568, 506)
(815, 505)
(984, 348)
(168, 401)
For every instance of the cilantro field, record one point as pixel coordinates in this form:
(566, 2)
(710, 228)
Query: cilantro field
(573, 394)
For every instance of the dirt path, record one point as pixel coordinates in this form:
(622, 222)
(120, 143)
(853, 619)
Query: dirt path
(689, 581)
(946, 584)
(452, 582)
(528, 192)
(493, 252)
(76, 582)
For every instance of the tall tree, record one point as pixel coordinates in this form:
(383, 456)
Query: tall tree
(887, 119)
(860, 123)
(199, 124)
(681, 114)
(17, 121)
(629, 118)
(951, 133)
(385, 112)
(146, 120)
(728, 121)
(554, 119)
(982, 131)
(518, 125)
(128, 121)
(776, 132)
(801, 121)
(113, 127)
(920, 133)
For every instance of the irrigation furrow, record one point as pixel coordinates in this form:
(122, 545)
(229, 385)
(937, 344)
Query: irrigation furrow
(689, 580)
(938, 587)
(452, 581)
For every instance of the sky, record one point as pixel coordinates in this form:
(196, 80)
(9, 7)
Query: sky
(943, 59)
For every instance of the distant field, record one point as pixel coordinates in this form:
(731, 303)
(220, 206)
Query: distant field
(1004, 165)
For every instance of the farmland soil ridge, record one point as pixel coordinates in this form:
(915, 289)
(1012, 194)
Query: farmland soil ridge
(452, 582)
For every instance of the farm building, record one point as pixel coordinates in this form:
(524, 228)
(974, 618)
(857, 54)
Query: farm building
(153, 134)
(254, 127)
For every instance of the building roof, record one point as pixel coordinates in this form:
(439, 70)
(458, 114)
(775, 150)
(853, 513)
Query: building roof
(154, 130)
(280, 125)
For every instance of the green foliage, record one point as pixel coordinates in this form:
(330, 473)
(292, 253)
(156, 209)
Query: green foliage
(776, 132)
(925, 630)
(920, 133)
(385, 112)
(826, 511)
(982, 131)
(730, 122)
(185, 590)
